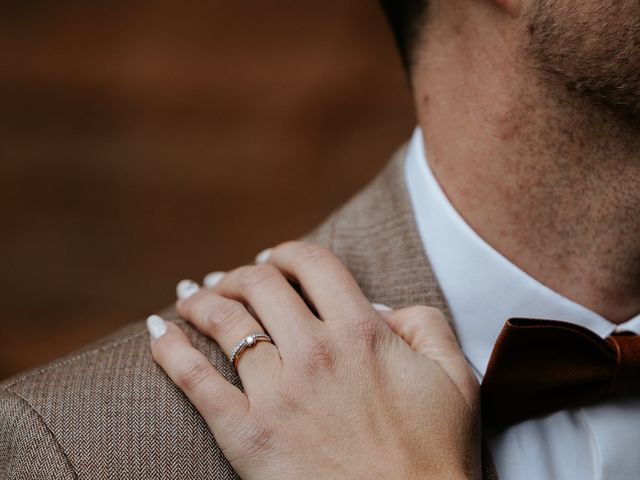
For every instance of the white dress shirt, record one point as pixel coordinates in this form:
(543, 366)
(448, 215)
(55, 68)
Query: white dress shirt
(483, 290)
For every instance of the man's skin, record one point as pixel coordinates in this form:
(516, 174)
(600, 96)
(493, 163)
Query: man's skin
(531, 115)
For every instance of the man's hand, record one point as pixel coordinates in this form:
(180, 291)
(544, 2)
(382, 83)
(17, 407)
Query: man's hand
(338, 394)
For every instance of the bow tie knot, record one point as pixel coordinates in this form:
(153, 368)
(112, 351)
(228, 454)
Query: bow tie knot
(541, 366)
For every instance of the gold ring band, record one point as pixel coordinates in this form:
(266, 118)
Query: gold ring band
(247, 342)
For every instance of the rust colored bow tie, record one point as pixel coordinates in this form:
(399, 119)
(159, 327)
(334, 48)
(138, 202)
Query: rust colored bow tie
(541, 366)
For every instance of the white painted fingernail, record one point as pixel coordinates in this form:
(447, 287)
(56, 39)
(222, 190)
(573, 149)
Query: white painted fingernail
(157, 326)
(186, 289)
(263, 257)
(213, 279)
(381, 307)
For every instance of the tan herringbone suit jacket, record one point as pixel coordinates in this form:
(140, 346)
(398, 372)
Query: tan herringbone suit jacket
(109, 412)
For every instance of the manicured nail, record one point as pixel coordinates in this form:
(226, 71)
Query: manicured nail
(381, 307)
(213, 279)
(157, 326)
(186, 289)
(263, 257)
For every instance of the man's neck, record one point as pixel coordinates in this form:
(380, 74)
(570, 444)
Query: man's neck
(552, 186)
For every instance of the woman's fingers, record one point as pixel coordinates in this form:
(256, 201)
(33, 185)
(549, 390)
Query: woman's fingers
(346, 357)
(228, 322)
(221, 404)
(278, 307)
(428, 333)
(324, 278)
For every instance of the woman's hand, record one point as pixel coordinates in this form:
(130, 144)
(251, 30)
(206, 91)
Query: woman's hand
(339, 395)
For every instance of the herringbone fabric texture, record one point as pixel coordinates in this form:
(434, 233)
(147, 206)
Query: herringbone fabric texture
(108, 411)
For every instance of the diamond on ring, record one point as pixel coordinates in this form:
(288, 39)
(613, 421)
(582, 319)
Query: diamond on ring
(247, 342)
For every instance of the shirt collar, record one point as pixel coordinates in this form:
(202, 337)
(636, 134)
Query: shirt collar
(483, 288)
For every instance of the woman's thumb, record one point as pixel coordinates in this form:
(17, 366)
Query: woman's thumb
(427, 331)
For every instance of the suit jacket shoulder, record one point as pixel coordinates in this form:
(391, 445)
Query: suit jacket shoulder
(108, 411)
(28, 448)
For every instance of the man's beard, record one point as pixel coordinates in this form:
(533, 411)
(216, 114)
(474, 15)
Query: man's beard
(592, 48)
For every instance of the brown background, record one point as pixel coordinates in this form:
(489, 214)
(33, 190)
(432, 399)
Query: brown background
(143, 142)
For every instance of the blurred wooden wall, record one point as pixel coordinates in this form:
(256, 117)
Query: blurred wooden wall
(146, 141)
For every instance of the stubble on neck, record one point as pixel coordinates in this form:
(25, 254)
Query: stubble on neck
(547, 177)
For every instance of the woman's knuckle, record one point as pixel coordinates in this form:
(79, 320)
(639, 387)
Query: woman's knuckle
(364, 333)
(223, 316)
(251, 435)
(319, 357)
(192, 375)
(250, 277)
(311, 253)
(256, 435)
(287, 397)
